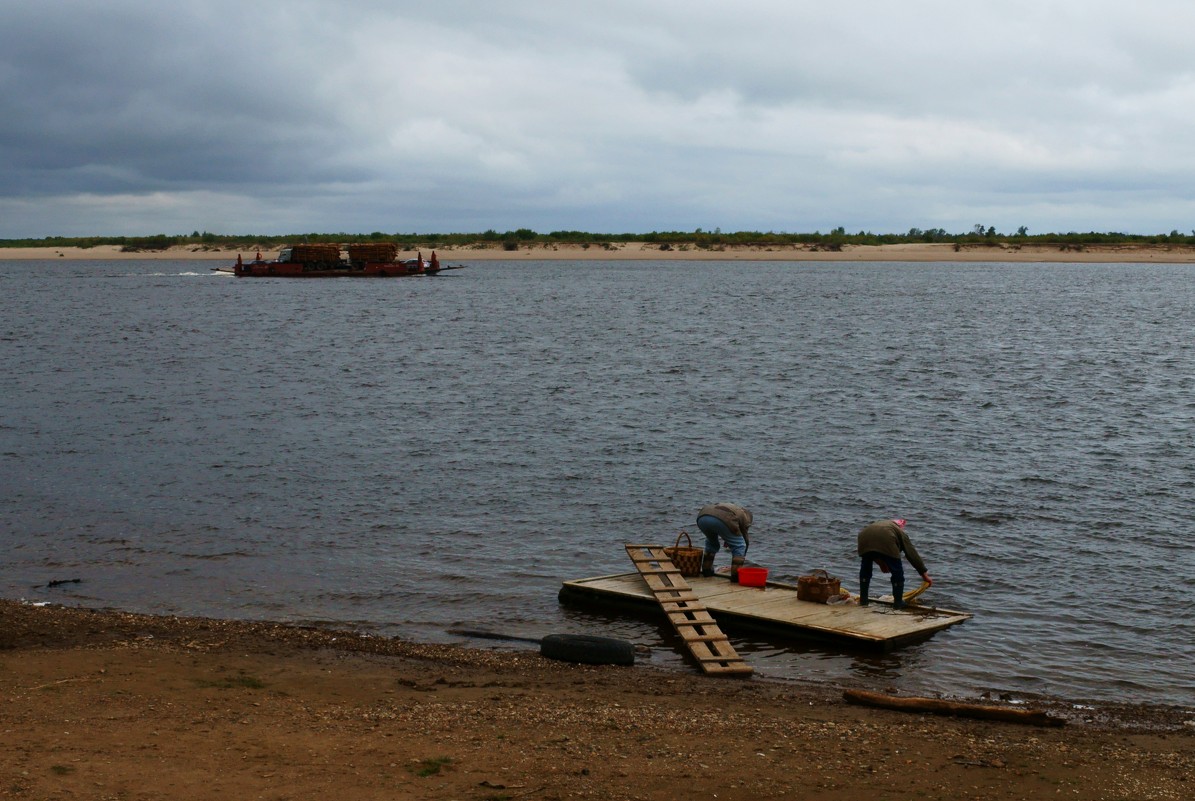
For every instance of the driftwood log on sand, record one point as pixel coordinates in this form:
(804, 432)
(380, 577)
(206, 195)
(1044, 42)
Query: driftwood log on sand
(939, 707)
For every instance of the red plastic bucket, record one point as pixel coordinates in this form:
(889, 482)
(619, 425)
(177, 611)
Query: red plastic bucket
(753, 576)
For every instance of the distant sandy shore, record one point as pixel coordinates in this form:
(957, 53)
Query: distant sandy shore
(649, 251)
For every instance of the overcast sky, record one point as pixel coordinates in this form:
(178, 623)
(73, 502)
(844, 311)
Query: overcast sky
(287, 116)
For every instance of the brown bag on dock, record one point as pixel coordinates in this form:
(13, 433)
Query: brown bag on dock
(686, 558)
(819, 587)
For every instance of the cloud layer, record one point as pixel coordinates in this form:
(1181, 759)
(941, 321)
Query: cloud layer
(137, 117)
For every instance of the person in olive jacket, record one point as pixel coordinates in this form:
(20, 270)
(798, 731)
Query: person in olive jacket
(724, 522)
(883, 542)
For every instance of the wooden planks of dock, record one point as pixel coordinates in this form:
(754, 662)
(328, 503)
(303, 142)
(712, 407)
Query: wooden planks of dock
(688, 615)
(776, 609)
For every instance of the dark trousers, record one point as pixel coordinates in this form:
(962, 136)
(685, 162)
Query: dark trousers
(895, 566)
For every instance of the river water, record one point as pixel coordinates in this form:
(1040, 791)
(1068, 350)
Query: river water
(404, 457)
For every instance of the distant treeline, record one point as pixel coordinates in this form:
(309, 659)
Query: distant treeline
(523, 237)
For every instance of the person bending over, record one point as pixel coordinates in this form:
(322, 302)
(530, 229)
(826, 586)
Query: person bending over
(728, 523)
(883, 542)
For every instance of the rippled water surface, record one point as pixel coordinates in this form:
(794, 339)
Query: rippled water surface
(414, 455)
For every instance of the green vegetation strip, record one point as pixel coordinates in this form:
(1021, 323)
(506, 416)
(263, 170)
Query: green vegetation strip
(524, 237)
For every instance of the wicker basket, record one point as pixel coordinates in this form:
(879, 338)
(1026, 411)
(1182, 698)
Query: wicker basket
(818, 587)
(686, 558)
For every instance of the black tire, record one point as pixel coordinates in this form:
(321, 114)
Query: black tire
(587, 649)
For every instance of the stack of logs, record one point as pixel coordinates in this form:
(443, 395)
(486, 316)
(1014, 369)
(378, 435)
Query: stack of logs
(384, 252)
(315, 253)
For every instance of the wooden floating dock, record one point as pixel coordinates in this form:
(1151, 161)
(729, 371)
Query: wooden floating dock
(775, 609)
(688, 616)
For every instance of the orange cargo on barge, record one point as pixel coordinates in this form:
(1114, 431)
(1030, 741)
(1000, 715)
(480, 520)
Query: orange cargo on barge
(373, 260)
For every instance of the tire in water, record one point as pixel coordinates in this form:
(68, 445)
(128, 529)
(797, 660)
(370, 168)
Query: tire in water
(587, 649)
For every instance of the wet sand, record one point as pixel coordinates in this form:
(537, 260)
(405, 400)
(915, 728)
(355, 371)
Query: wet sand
(105, 704)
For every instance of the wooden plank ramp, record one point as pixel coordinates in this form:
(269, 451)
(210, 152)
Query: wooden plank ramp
(688, 615)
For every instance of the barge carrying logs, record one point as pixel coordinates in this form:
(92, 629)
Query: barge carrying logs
(366, 260)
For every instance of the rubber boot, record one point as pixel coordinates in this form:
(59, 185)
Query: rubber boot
(735, 563)
(707, 564)
(864, 585)
(898, 594)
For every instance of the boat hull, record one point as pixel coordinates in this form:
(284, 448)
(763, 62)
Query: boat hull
(272, 269)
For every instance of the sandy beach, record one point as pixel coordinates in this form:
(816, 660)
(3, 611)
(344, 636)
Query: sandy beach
(648, 251)
(111, 705)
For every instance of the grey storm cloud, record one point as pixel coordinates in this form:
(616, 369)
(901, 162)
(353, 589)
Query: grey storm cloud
(139, 117)
(121, 98)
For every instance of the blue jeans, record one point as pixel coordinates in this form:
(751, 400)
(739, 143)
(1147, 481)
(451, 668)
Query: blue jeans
(715, 530)
(895, 566)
